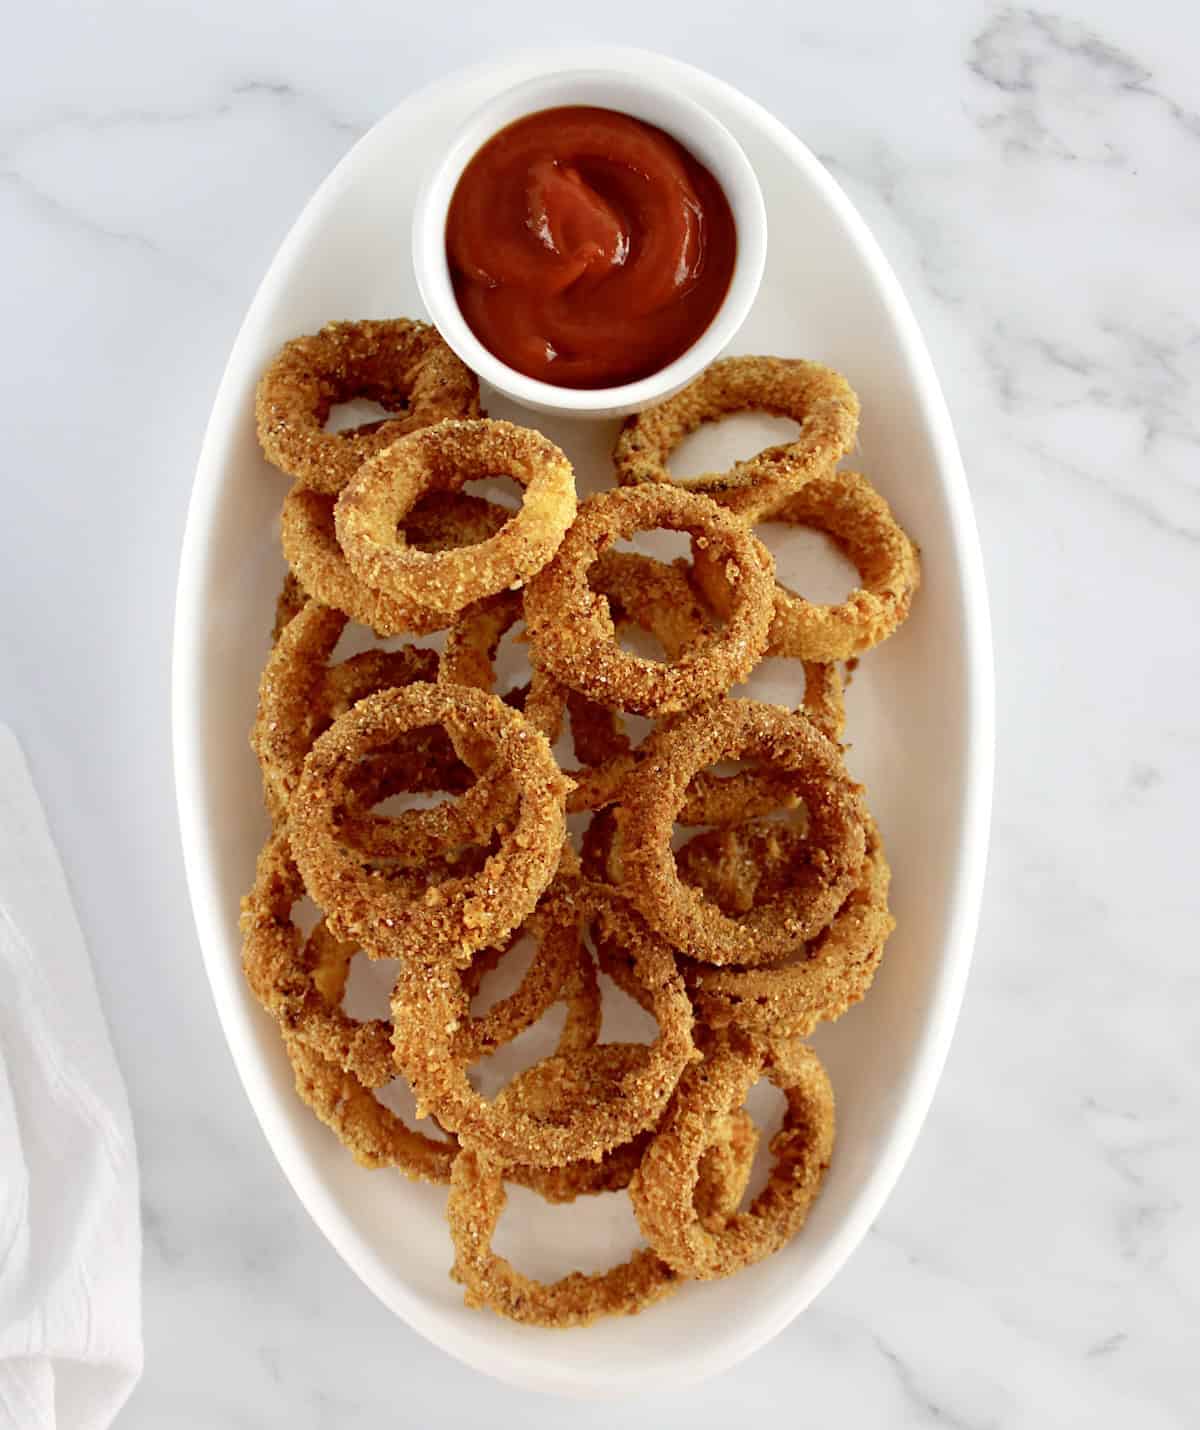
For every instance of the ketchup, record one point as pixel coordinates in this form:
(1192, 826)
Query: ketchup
(588, 249)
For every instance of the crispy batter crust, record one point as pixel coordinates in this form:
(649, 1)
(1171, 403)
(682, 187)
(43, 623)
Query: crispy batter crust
(462, 915)
(372, 1132)
(761, 926)
(402, 364)
(847, 508)
(599, 1099)
(477, 1197)
(663, 1188)
(571, 625)
(443, 459)
(836, 840)
(819, 399)
(300, 694)
(311, 546)
(468, 658)
(834, 970)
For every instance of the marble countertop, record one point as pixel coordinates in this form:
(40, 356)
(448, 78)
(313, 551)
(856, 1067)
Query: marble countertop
(1034, 177)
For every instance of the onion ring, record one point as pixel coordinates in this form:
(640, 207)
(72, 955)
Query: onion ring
(443, 459)
(477, 1198)
(299, 694)
(337, 1061)
(847, 508)
(816, 397)
(834, 971)
(557, 959)
(731, 799)
(371, 1131)
(311, 546)
(462, 915)
(584, 1178)
(289, 974)
(660, 600)
(456, 834)
(600, 1100)
(663, 1188)
(377, 1137)
(302, 981)
(403, 365)
(724, 1171)
(571, 625)
(645, 818)
(609, 759)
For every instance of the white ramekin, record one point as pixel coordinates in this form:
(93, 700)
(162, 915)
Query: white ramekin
(696, 129)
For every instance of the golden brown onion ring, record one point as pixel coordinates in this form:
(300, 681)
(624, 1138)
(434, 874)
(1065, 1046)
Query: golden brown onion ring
(831, 974)
(816, 397)
(291, 597)
(664, 1186)
(601, 1099)
(300, 694)
(571, 625)
(443, 459)
(660, 600)
(370, 1130)
(836, 841)
(847, 508)
(468, 658)
(477, 1198)
(462, 915)
(310, 544)
(399, 363)
(302, 981)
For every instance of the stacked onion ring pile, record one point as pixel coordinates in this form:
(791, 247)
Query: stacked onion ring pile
(769, 918)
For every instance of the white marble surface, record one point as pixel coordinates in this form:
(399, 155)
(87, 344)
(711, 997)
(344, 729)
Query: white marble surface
(1034, 177)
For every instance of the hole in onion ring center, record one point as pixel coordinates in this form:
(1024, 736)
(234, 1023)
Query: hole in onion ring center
(577, 826)
(622, 1018)
(355, 639)
(501, 490)
(633, 640)
(716, 446)
(398, 804)
(369, 987)
(547, 1241)
(766, 1105)
(359, 412)
(305, 915)
(776, 680)
(637, 727)
(655, 542)
(399, 1098)
(810, 563)
(490, 1075)
(401, 801)
(511, 661)
(505, 978)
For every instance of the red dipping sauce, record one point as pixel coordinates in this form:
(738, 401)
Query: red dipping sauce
(588, 249)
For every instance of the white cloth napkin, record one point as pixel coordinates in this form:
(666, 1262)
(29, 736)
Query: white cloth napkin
(70, 1235)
